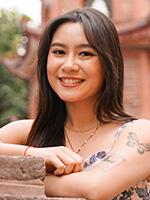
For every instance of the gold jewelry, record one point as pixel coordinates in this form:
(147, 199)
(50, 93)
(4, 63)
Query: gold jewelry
(80, 131)
(85, 141)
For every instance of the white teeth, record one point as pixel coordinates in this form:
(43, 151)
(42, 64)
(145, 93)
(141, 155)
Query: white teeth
(71, 81)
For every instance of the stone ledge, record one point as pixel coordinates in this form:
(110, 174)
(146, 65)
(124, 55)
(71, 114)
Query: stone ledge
(21, 168)
(21, 189)
(22, 178)
(6, 197)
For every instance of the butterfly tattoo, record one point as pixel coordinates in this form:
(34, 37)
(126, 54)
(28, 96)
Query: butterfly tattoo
(132, 140)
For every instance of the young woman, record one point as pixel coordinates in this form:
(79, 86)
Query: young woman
(81, 125)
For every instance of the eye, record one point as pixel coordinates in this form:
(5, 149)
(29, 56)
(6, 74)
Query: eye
(59, 52)
(86, 53)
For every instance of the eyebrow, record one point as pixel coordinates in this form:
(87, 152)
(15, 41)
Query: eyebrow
(84, 45)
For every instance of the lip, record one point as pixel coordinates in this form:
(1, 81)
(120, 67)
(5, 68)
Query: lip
(71, 81)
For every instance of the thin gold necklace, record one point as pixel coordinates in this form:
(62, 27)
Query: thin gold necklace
(85, 141)
(80, 131)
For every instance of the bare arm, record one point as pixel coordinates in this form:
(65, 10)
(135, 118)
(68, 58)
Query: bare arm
(126, 165)
(13, 137)
(59, 160)
(16, 132)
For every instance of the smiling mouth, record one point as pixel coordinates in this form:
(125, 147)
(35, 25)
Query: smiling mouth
(71, 81)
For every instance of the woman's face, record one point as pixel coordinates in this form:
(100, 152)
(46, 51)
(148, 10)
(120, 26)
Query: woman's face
(73, 67)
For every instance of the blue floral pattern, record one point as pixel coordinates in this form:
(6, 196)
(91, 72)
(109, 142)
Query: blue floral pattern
(139, 194)
(94, 158)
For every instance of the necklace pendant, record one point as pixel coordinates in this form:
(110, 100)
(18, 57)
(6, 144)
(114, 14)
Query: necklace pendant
(84, 143)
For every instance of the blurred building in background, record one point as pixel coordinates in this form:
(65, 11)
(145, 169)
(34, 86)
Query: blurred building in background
(132, 20)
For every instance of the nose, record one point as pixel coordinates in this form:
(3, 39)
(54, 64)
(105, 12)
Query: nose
(70, 64)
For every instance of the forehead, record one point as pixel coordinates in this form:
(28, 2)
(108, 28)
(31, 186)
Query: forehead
(70, 33)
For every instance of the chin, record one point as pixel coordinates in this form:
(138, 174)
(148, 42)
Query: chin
(70, 99)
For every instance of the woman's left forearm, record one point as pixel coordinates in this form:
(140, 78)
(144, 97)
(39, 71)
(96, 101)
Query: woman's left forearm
(72, 185)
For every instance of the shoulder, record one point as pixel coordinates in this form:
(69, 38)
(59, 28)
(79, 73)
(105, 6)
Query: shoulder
(135, 133)
(141, 128)
(142, 123)
(134, 141)
(16, 132)
(20, 124)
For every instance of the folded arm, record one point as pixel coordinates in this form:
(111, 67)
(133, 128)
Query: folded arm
(126, 165)
(59, 160)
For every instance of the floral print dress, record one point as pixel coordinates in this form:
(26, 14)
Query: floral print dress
(140, 191)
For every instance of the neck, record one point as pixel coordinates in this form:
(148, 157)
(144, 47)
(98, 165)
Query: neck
(81, 116)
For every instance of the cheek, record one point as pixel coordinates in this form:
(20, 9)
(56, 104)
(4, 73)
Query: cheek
(96, 70)
(98, 77)
(50, 72)
(52, 66)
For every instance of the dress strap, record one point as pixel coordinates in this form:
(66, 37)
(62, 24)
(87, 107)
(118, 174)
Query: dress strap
(119, 130)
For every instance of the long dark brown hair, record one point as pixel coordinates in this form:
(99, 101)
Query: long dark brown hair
(48, 127)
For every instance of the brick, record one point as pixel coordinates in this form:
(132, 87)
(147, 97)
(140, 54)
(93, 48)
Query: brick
(22, 178)
(21, 168)
(6, 197)
(21, 189)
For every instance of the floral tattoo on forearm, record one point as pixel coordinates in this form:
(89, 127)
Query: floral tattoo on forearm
(133, 141)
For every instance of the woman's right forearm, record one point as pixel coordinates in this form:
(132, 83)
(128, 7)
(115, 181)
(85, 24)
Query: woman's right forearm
(12, 149)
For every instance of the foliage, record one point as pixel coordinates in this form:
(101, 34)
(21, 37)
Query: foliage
(10, 33)
(13, 91)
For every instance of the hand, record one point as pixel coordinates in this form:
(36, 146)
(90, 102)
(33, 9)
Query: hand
(59, 160)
